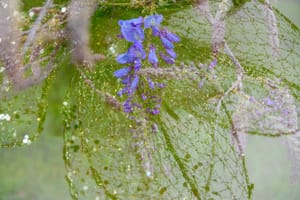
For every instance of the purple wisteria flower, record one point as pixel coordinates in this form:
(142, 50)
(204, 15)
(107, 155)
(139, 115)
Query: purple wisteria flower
(151, 83)
(122, 72)
(212, 64)
(152, 56)
(131, 85)
(153, 22)
(169, 36)
(135, 52)
(133, 31)
(167, 59)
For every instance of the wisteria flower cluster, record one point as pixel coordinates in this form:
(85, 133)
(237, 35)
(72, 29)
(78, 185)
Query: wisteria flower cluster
(133, 31)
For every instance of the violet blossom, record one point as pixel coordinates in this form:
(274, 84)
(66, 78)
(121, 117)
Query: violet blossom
(133, 31)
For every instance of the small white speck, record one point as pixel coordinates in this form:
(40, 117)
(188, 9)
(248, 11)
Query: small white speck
(2, 69)
(97, 198)
(63, 9)
(42, 51)
(85, 188)
(0, 40)
(5, 117)
(112, 49)
(15, 13)
(65, 103)
(190, 116)
(148, 173)
(26, 139)
(69, 174)
(31, 14)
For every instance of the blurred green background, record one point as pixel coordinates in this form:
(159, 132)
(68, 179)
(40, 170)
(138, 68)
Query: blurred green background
(37, 171)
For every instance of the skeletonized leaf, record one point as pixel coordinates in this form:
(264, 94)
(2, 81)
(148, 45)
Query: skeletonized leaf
(271, 24)
(275, 115)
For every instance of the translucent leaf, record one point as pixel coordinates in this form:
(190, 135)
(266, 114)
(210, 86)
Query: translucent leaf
(105, 159)
(21, 115)
(274, 113)
(190, 155)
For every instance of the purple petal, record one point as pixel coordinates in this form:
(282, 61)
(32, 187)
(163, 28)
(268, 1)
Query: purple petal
(171, 53)
(151, 83)
(128, 107)
(171, 36)
(126, 80)
(132, 30)
(167, 43)
(121, 22)
(155, 111)
(122, 72)
(155, 31)
(269, 102)
(133, 34)
(212, 64)
(161, 85)
(123, 91)
(144, 97)
(138, 35)
(124, 58)
(252, 99)
(136, 50)
(137, 65)
(152, 56)
(136, 21)
(153, 20)
(131, 22)
(201, 84)
(167, 59)
(133, 85)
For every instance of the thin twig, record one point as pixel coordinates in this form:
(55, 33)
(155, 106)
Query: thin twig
(37, 76)
(35, 26)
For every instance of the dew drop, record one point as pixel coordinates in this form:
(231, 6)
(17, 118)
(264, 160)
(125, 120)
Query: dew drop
(63, 10)
(26, 140)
